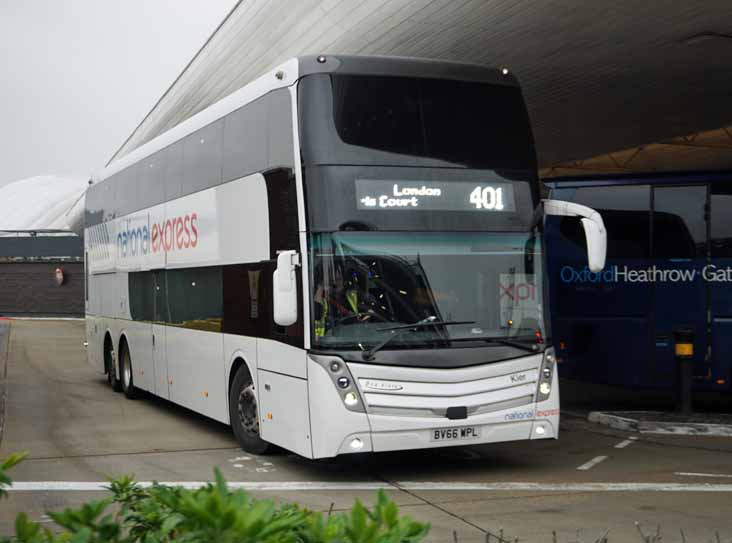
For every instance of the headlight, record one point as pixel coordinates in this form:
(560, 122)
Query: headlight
(544, 388)
(342, 380)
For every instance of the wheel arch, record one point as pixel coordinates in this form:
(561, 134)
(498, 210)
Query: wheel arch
(123, 342)
(238, 360)
(108, 341)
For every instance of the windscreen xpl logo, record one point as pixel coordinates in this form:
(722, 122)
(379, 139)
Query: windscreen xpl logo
(650, 274)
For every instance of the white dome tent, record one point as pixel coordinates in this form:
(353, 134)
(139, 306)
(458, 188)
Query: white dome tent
(46, 202)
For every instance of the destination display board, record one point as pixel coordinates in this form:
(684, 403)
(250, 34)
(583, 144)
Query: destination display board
(476, 196)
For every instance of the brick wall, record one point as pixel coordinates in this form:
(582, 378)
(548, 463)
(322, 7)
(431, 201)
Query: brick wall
(30, 289)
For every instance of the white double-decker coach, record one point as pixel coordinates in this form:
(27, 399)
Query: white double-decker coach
(345, 255)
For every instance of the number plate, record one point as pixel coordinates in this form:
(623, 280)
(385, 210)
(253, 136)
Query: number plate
(455, 434)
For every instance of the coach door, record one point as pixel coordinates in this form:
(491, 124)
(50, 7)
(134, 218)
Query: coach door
(160, 358)
(680, 294)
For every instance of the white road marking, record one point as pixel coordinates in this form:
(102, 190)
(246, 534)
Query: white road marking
(592, 463)
(239, 459)
(691, 474)
(238, 465)
(81, 319)
(285, 486)
(625, 443)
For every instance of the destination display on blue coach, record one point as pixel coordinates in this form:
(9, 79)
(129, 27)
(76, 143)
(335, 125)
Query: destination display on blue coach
(378, 194)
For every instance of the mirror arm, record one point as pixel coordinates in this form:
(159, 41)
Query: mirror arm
(570, 209)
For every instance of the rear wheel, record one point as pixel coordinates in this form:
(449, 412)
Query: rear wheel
(110, 366)
(128, 381)
(244, 414)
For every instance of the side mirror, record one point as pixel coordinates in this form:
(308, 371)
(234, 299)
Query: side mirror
(596, 245)
(285, 289)
(593, 225)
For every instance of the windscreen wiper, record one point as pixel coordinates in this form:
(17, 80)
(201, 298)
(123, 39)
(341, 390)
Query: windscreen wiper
(422, 324)
(503, 341)
(402, 329)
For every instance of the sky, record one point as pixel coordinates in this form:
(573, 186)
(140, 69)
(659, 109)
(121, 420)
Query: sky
(79, 75)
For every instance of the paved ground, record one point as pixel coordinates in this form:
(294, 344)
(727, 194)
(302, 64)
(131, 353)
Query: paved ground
(78, 430)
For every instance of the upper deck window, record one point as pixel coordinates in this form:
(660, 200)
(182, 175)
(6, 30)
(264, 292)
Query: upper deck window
(359, 119)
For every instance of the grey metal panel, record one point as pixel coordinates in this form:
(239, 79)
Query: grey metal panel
(150, 181)
(125, 191)
(107, 190)
(202, 153)
(281, 147)
(245, 141)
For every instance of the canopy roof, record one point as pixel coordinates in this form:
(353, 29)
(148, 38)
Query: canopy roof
(598, 76)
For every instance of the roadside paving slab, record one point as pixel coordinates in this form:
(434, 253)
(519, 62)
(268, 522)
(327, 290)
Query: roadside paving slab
(666, 423)
(533, 517)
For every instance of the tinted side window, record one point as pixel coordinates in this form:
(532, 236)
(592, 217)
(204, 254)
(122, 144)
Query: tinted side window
(247, 307)
(173, 170)
(141, 295)
(195, 298)
(721, 217)
(161, 297)
(679, 228)
(283, 218)
(234, 299)
(150, 182)
(625, 211)
(93, 205)
(202, 153)
(245, 140)
(281, 149)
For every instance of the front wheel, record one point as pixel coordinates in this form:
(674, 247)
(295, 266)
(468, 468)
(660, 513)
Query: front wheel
(244, 414)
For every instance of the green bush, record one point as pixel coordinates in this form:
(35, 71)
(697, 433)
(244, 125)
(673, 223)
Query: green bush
(160, 514)
(5, 465)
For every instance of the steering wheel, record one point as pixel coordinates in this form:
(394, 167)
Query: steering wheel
(359, 316)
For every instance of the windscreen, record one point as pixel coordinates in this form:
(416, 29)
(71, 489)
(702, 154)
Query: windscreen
(364, 283)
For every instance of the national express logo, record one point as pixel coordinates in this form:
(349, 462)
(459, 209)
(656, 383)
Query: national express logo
(140, 238)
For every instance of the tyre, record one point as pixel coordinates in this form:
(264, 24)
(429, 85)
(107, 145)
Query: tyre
(244, 415)
(109, 366)
(127, 378)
